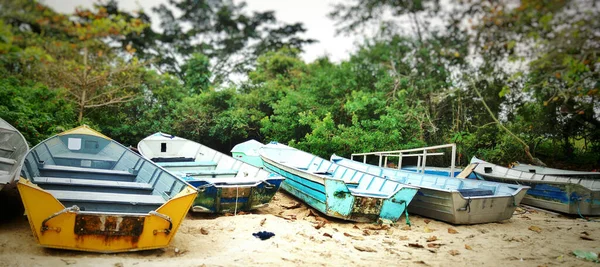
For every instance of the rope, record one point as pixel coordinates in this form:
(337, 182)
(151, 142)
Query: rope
(236, 200)
(468, 207)
(579, 212)
(406, 213)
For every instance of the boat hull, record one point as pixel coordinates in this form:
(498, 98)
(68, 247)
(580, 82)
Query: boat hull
(333, 198)
(56, 226)
(225, 184)
(213, 198)
(452, 207)
(561, 197)
(453, 200)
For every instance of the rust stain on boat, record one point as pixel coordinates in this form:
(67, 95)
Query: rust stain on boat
(109, 227)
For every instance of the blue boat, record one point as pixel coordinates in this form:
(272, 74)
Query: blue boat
(225, 184)
(453, 200)
(572, 195)
(335, 190)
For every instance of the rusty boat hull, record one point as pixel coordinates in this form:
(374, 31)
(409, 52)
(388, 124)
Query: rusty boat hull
(83, 191)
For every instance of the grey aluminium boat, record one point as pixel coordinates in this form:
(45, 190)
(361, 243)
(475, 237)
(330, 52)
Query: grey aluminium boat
(553, 171)
(13, 148)
(570, 195)
(453, 200)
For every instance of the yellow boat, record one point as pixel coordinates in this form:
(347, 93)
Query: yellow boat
(83, 191)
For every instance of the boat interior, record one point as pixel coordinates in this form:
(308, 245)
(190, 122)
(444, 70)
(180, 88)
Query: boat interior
(12, 150)
(467, 187)
(98, 174)
(359, 183)
(195, 161)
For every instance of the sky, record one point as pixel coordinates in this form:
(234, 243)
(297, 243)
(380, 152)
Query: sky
(312, 13)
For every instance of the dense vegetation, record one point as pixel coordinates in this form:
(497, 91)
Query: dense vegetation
(505, 81)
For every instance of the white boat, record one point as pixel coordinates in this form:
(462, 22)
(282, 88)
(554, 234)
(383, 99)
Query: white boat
(225, 184)
(13, 149)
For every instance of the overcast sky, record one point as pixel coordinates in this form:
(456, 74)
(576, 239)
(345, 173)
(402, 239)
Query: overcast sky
(313, 13)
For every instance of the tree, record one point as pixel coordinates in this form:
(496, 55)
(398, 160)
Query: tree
(73, 55)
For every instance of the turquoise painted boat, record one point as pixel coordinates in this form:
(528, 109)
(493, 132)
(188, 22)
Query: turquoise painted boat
(453, 200)
(248, 152)
(13, 148)
(570, 195)
(335, 190)
(225, 184)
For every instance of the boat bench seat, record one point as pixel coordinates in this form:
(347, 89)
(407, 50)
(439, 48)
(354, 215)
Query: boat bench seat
(108, 198)
(92, 183)
(475, 192)
(4, 172)
(7, 149)
(47, 167)
(206, 163)
(210, 172)
(7, 161)
(79, 156)
(368, 193)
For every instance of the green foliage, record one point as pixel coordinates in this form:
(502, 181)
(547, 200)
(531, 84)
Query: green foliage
(533, 64)
(197, 73)
(35, 110)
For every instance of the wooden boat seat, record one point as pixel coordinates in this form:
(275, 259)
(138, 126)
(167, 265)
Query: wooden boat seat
(188, 164)
(7, 161)
(108, 198)
(92, 183)
(475, 192)
(4, 172)
(85, 170)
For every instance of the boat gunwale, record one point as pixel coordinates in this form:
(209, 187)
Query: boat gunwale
(499, 175)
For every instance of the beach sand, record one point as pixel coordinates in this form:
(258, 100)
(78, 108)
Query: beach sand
(305, 238)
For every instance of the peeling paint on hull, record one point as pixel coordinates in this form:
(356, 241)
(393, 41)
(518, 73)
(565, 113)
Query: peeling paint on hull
(333, 197)
(230, 199)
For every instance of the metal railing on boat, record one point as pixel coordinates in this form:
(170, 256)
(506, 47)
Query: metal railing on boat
(421, 157)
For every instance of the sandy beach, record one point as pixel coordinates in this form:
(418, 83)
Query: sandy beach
(305, 238)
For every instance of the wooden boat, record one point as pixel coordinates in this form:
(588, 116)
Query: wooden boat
(335, 190)
(453, 200)
(83, 191)
(555, 172)
(13, 148)
(225, 184)
(558, 193)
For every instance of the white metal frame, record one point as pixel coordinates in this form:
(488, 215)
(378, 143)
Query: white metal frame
(421, 157)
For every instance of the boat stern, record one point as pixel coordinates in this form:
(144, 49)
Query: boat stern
(234, 197)
(365, 206)
(57, 226)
